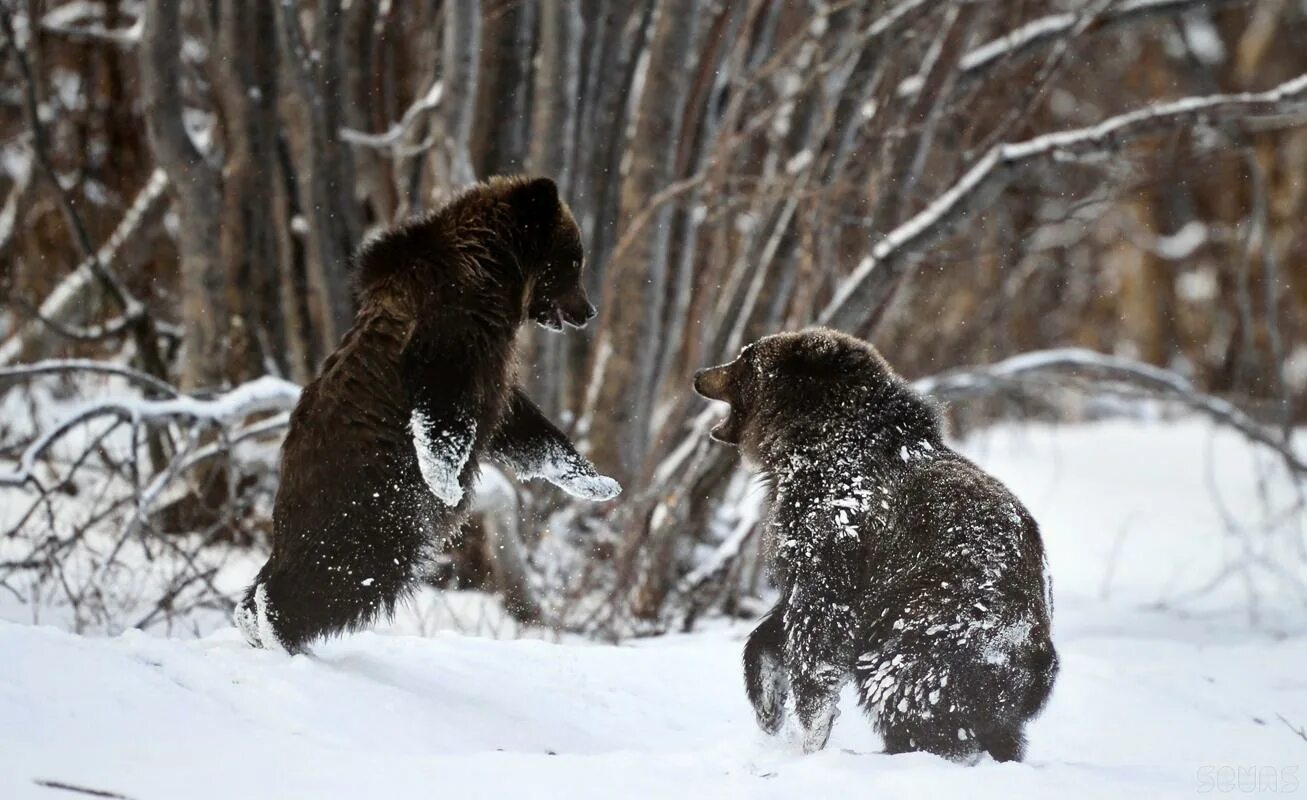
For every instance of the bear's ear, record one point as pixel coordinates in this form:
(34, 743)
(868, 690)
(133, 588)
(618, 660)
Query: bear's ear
(535, 201)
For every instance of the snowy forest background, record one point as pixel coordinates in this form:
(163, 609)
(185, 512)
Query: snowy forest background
(1043, 212)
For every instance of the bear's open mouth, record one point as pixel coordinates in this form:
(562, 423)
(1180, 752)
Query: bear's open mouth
(572, 310)
(550, 317)
(573, 319)
(728, 430)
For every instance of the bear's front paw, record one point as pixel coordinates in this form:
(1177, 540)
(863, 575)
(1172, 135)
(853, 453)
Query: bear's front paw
(442, 453)
(590, 487)
(446, 489)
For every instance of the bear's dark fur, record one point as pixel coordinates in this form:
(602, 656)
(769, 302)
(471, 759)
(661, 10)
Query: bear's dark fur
(900, 564)
(384, 446)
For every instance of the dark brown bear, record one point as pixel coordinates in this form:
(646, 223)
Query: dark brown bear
(900, 564)
(384, 445)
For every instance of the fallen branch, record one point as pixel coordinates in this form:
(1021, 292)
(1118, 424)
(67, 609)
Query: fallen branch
(68, 787)
(987, 380)
(1299, 731)
(257, 396)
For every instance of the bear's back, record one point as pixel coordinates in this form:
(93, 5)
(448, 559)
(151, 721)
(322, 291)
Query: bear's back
(348, 451)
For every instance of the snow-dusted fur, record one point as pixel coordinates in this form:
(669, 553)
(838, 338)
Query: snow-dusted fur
(385, 445)
(901, 565)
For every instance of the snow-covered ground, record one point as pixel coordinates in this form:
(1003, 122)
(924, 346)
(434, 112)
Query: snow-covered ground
(1183, 638)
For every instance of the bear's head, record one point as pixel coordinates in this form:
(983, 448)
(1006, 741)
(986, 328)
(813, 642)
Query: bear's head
(507, 233)
(786, 377)
(550, 254)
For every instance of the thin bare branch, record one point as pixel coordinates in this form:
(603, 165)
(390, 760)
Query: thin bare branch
(1054, 27)
(863, 296)
(60, 366)
(68, 297)
(393, 137)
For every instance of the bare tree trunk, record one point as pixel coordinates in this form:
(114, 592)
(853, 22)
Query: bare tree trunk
(554, 121)
(604, 132)
(321, 170)
(304, 345)
(247, 91)
(635, 285)
(503, 107)
(366, 39)
(462, 43)
(557, 81)
(199, 200)
(939, 75)
(703, 117)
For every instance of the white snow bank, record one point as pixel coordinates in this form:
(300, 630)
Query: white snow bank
(391, 716)
(1166, 689)
(1175, 515)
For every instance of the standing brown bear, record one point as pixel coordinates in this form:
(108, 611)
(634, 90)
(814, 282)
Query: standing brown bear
(384, 445)
(901, 565)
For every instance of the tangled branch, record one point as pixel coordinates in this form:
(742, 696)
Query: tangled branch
(970, 382)
(862, 297)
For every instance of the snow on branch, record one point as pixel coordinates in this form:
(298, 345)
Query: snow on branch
(895, 17)
(121, 509)
(260, 395)
(994, 378)
(394, 135)
(86, 21)
(68, 298)
(864, 294)
(65, 365)
(1048, 29)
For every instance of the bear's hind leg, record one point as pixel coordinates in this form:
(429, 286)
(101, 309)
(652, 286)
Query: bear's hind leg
(944, 739)
(246, 618)
(254, 619)
(261, 616)
(1003, 743)
(765, 676)
(297, 601)
(816, 701)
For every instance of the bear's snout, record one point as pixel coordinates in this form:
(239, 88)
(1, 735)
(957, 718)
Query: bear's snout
(576, 308)
(711, 383)
(714, 383)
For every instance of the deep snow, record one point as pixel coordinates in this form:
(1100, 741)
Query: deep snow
(1167, 687)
